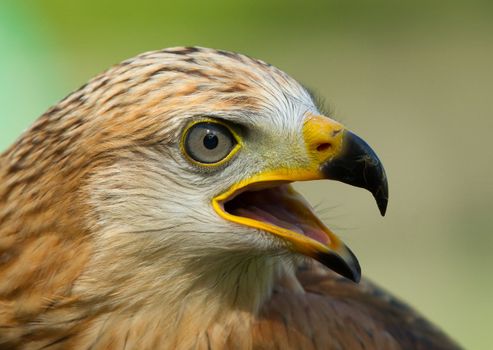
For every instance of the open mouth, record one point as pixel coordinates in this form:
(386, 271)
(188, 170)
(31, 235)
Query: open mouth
(277, 208)
(267, 202)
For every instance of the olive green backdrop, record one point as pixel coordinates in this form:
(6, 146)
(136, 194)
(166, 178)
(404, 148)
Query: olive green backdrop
(415, 79)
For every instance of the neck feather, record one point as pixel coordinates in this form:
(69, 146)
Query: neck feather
(198, 295)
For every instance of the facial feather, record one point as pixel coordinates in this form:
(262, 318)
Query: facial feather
(100, 213)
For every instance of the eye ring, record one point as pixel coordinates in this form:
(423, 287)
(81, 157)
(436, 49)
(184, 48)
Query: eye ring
(209, 142)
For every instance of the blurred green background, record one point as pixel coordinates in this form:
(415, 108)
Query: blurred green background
(414, 78)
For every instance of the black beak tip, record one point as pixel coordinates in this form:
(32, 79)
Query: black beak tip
(382, 208)
(382, 197)
(348, 267)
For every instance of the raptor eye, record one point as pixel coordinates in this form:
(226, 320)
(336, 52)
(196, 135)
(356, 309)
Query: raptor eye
(209, 142)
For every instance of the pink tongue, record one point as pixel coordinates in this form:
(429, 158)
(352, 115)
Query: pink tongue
(261, 215)
(279, 206)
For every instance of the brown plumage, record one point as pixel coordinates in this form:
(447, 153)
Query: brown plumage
(108, 239)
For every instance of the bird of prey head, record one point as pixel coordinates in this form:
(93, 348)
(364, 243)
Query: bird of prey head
(167, 181)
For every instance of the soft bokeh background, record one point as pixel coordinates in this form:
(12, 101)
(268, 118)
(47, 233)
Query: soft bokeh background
(415, 79)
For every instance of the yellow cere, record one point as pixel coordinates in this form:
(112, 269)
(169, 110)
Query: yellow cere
(323, 137)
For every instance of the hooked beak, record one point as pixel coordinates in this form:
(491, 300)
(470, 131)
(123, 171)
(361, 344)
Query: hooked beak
(358, 165)
(267, 202)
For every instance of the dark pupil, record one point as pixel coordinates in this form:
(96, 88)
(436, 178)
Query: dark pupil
(210, 141)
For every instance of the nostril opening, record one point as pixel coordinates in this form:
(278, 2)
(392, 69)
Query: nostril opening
(323, 147)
